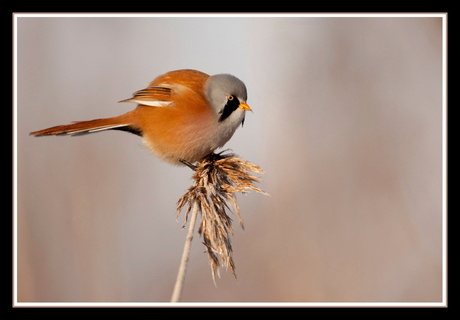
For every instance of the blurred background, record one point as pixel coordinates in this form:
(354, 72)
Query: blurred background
(347, 124)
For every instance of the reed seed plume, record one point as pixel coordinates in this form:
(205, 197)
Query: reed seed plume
(216, 180)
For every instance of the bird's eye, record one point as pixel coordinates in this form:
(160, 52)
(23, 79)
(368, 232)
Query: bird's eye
(230, 98)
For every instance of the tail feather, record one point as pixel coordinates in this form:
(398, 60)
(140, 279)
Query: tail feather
(85, 127)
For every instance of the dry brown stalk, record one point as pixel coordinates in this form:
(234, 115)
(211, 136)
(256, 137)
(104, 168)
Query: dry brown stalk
(216, 179)
(177, 292)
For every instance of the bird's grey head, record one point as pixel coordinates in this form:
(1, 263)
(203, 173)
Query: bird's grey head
(225, 93)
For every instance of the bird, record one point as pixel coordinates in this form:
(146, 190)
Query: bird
(182, 115)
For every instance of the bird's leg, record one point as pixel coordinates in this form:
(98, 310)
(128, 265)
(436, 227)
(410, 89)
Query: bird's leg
(188, 164)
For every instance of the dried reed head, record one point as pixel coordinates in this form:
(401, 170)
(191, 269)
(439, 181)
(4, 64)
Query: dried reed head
(216, 179)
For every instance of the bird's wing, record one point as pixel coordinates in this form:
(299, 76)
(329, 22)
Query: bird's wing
(154, 96)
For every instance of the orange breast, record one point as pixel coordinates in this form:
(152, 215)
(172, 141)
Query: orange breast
(182, 129)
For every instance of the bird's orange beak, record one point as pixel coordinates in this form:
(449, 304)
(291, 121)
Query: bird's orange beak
(244, 106)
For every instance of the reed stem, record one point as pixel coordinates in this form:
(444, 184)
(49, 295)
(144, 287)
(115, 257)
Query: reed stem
(177, 292)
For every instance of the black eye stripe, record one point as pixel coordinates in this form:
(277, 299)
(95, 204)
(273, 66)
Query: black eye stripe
(232, 105)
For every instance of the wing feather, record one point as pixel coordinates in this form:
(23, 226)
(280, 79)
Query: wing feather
(154, 96)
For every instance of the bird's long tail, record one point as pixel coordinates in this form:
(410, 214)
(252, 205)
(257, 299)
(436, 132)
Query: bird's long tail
(91, 126)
